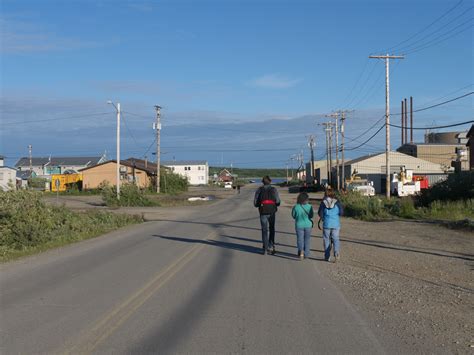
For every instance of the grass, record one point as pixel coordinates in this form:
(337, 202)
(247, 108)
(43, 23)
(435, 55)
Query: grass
(29, 226)
(376, 209)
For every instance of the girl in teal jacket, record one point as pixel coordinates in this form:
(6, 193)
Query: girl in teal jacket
(302, 213)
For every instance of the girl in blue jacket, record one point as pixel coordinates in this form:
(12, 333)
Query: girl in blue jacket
(302, 213)
(329, 211)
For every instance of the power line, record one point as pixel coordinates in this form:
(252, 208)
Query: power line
(368, 140)
(404, 48)
(431, 44)
(439, 104)
(436, 127)
(129, 131)
(425, 28)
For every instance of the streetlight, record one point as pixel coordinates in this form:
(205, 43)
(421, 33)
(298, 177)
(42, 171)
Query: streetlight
(117, 108)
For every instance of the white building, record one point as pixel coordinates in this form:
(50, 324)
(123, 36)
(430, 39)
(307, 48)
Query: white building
(196, 171)
(7, 178)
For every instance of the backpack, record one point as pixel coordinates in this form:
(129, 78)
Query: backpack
(267, 201)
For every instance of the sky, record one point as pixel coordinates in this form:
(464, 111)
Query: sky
(240, 82)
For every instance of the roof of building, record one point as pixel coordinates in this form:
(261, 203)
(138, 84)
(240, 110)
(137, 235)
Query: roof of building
(7, 167)
(184, 162)
(397, 158)
(24, 175)
(131, 163)
(470, 133)
(59, 161)
(433, 144)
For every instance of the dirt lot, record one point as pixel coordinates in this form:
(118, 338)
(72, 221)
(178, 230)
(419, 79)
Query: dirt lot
(413, 279)
(168, 203)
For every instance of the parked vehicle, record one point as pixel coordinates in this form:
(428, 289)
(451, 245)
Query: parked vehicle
(228, 185)
(403, 183)
(363, 186)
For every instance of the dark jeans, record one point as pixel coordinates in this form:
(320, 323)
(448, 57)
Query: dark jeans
(267, 221)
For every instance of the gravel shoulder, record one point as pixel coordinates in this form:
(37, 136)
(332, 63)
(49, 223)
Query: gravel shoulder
(409, 278)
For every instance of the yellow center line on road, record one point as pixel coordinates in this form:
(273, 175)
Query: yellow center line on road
(107, 325)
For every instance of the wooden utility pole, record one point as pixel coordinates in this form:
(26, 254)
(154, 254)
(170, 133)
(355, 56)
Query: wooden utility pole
(335, 115)
(158, 131)
(311, 144)
(30, 154)
(343, 120)
(387, 58)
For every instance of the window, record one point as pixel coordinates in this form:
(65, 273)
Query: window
(189, 168)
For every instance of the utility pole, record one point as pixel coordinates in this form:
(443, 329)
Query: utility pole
(327, 130)
(387, 58)
(335, 115)
(330, 153)
(118, 150)
(343, 119)
(117, 108)
(158, 131)
(311, 145)
(30, 154)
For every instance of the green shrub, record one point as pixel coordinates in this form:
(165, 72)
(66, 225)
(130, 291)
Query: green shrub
(455, 187)
(172, 183)
(27, 224)
(450, 210)
(130, 196)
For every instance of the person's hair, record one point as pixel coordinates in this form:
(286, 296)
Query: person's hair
(266, 180)
(302, 198)
(330, 192)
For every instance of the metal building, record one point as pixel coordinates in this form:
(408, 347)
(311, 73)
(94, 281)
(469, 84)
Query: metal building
(372, 167)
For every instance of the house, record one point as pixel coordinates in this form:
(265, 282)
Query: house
(132, 170)
(373, 168)
(7, 178)
(470, 145)
(225, 176)
(2, 160)
(22, 178)
(196, 171)
(56, 165)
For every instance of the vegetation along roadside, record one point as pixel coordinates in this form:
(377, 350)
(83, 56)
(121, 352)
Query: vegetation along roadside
(450, 202)
(29, 226)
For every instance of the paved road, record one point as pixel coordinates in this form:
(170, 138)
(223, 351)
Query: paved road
(189, 284)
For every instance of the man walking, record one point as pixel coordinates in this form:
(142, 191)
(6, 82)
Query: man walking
(267, 200)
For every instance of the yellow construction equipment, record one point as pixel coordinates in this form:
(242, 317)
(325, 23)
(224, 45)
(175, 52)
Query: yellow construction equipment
(63, 182)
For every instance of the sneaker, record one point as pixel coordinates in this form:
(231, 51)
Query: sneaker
(301, 255)
(273, 251)
(336, 258)
(328, 259)
(264, 251)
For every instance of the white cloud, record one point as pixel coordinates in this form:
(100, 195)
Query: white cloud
(24, 37)
(274, 81)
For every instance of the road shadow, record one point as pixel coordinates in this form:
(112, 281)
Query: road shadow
(215, 243)
(276, 243)
(384, 245)
(221, 225)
